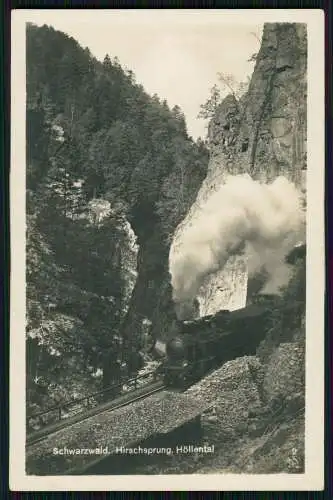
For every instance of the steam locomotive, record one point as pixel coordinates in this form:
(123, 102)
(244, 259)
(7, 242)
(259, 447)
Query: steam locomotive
(204, 344)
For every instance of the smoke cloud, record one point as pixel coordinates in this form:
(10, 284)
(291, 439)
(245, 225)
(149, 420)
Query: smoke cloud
(261, 221)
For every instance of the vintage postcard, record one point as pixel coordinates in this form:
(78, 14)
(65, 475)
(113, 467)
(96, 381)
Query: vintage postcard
(167, 230)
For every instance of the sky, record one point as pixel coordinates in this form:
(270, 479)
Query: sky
(173, 53)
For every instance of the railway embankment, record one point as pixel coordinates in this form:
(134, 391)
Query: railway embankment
(77, 447)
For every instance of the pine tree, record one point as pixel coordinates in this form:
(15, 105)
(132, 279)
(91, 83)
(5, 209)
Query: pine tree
(209, 108)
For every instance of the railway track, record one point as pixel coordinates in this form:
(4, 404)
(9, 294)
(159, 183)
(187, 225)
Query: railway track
(124, 400)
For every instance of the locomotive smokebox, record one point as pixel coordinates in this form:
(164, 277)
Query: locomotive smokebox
(175, 348)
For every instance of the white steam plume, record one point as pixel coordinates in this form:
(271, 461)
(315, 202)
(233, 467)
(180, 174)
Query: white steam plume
(262, 221)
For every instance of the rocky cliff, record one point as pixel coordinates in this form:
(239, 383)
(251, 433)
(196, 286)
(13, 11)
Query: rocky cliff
(262, 134)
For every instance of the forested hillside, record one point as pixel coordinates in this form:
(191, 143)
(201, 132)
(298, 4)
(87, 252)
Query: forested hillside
(102, 157)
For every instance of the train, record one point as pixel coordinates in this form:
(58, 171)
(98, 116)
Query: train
(204, 344)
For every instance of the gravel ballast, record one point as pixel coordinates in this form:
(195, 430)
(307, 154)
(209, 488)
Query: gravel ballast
(157, 414)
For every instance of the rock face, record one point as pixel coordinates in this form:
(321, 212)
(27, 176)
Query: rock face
(284, 376)
(262, 134)
(227, 289)
(233, 390)
(257, 412)
(99, 209)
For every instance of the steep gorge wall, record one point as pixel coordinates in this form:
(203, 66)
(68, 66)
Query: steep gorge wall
(264, 135)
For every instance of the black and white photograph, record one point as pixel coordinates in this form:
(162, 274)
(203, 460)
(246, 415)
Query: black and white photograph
(167, 211)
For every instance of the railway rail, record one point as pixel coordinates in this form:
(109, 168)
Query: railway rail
(118, 402)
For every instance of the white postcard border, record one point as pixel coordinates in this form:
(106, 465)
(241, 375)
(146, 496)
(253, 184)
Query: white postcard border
(313, 478)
